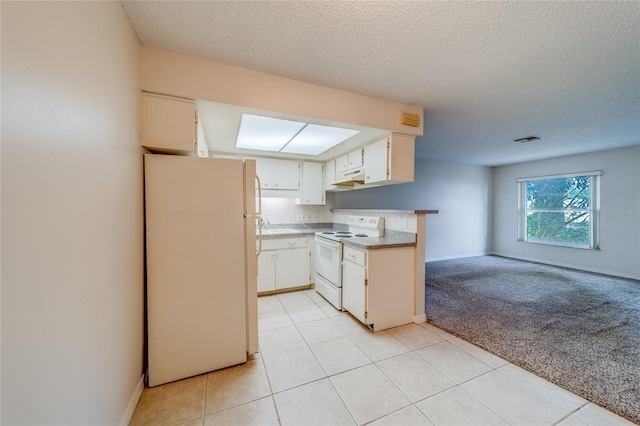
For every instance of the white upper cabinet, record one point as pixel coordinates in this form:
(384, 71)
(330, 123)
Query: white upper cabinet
(349, 161)
(355, 158)
(312, 188)
(389, 160)
(169, 124)
(342, 163)
(201, 144)
(329, 175)
(375, 159)
(278, 174)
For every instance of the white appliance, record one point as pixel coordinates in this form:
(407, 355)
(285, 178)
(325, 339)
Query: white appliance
(329, 249)
(202, 268)
(328, 281)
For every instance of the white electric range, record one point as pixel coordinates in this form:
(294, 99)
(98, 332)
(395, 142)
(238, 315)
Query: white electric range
(328, 282)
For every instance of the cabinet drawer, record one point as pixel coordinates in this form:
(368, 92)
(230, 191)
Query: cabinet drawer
(284, 243)
(356, 256)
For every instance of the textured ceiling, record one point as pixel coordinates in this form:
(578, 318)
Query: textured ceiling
(485, 72)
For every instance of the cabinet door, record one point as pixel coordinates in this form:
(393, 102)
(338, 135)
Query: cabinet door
(342, 163)
(401, 158)
(354, 291)
(263, 170)
(286, 174)
(169, 124)
(375, 161)
(267, 271)
(329, 174)
(312, 188)
(355, 159)
(293, 268)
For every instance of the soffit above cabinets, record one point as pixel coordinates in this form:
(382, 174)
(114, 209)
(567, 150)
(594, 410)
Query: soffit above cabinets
(221, 123)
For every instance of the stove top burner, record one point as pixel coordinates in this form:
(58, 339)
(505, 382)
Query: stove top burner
(342, 234)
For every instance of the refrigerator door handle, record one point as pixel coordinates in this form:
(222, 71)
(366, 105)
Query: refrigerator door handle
(259, 236)
(258, 217)
(258, 220)
(259, 212)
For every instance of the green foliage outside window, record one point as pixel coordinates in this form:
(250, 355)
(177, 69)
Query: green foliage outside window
(558, 210)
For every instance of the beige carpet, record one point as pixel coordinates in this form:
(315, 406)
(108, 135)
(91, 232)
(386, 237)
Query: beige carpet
(576, 329)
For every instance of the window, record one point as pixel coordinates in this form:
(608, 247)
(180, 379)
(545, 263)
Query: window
(559, 210)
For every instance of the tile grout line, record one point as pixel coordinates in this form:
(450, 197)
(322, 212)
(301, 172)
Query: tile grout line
(411, 350)
(206, 390)
(327, 376)
(446, 339)
(572, 413)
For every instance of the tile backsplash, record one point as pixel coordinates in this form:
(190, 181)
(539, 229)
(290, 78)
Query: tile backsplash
(284, 210)
(394, 219)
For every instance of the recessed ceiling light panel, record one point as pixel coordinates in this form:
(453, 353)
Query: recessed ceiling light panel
(293, 137)
(266, 133)
(316, 139)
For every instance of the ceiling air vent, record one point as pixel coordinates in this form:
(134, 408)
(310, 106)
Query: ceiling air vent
(409, 119)
(527, 139)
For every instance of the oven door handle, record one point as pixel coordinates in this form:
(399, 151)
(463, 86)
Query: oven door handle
(327, 243)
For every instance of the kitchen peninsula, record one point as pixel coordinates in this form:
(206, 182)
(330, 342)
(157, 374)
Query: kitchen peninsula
(385, 272)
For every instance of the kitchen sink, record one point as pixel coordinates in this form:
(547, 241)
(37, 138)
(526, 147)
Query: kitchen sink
(280, 231)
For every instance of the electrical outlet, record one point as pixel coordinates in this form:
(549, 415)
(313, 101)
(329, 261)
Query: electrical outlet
(308, 218)
(300, 218)
(405, 222)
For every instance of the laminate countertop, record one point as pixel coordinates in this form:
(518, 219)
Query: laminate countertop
(391, 239)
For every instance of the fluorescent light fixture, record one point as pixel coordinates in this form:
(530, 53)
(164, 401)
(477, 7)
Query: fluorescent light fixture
(266, 133)
(293, 137)
(316, 139)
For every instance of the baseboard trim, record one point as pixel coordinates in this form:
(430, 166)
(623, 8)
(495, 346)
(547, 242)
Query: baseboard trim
(461, 256)
(419, 319)
(133, 402)
(567, 265)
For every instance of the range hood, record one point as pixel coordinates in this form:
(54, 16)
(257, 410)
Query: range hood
(350, 178)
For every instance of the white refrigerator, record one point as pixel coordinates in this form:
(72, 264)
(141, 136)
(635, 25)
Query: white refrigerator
(201, 262)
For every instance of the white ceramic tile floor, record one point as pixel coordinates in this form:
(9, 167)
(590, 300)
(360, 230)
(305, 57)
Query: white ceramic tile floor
(318, 366)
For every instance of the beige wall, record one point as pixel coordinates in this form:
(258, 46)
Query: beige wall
(619, 252)
(72, 220)
(187, 76)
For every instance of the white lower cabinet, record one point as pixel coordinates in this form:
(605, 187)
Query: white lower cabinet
(354, 283)
(378, 286)
(284, 263)
(267, 271)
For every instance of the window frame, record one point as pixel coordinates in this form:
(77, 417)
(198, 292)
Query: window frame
(594, 209)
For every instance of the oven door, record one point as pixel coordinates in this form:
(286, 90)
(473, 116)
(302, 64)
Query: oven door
(330, 292)
(328, 260)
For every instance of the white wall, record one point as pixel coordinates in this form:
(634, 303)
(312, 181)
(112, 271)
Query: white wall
(619, 252)
(461, 193)
(72, 218)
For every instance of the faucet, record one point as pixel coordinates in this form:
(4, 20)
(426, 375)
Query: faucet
(265, 222)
